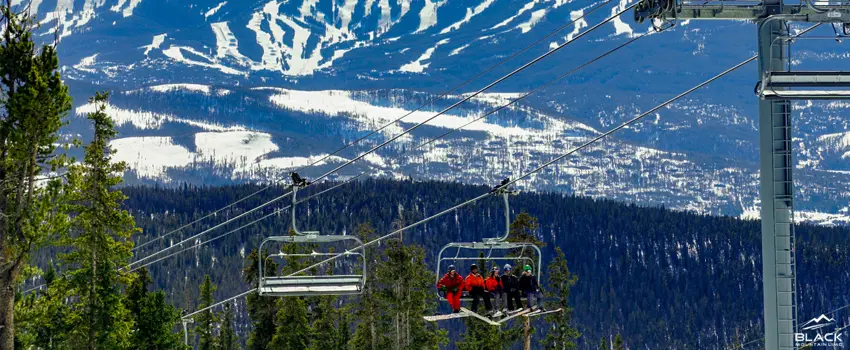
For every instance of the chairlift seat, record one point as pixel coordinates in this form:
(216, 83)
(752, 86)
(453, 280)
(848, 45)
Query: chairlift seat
(806, 85)
(312, 285)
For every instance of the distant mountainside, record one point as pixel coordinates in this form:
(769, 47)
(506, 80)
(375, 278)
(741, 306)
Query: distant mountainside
(662, 279)
(220, 92)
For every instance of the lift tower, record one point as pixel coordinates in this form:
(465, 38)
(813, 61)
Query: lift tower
(777, 86)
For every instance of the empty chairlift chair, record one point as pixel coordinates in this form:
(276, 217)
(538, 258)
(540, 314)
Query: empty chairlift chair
(496, 251)
(351, 250)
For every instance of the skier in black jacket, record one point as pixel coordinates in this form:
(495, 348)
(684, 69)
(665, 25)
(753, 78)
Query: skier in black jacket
(511, 285)
(529, 286)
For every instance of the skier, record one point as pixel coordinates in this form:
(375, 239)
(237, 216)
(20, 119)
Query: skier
(529, 286)
(474, 284)
(452, 286)
(497, 291)
(510, 284)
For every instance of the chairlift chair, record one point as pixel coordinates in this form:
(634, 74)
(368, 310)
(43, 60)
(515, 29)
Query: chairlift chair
(494, 249)
(321, 284)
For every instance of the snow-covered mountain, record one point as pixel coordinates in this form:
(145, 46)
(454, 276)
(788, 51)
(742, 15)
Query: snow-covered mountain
(213, 92)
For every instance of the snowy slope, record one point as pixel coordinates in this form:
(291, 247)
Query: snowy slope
(249, 87)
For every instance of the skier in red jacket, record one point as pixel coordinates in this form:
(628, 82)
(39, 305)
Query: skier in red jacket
(477, 289)
(452, 285)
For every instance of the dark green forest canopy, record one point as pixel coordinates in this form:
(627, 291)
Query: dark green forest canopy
(660, 278)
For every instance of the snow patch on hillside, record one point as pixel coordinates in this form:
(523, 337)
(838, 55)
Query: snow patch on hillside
(239, 148)
(176, 53)
(86, 63)
(150, 157)
(621, 27)
(536, 16)
(226, 43)
(213, 10)
(145, 120)
(155, 44)
(341, 103)
(428, 15)
(469, 14)
(510, 19)
(417, 66)
(181, 87)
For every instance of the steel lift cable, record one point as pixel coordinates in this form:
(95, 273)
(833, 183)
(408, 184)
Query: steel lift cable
(396, 137)
(372, 133)
(432, 140)
(520, 178)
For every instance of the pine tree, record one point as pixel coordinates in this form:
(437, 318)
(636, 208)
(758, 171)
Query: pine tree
(261, 310)
(407, 296)
(368, 334)
(603, 345)
(344, 327)
(205, 321)
(227, 339)
(35, 102)
(618, 343)
(154, 319)
(99, 242)
(522, 229)
(293, 326)
(42, 316)
(324, 330)
(560, 280)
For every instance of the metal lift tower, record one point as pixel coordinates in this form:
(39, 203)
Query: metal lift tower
(777, 86)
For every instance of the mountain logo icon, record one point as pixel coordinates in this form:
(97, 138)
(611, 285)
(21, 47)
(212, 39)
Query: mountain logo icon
(817, 323)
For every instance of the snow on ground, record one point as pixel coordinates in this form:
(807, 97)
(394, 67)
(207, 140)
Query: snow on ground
(176, 53)
(86, 63)
(176, 87)
(213, 10)
(417, 66)
(151, 156)
(510, 19)
(536, 16)
(150, 121)
(294, 162)
(155, 44)
(428, 15)
(621, 27)
(125, 11)
(813, 217)
(226, 43)
(239, 148)
(469, 14)
(340, 103)
(458, 50)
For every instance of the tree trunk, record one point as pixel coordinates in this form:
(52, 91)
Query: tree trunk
(7, 305)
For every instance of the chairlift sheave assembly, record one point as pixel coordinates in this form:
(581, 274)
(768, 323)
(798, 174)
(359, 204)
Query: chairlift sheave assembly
(319, 284)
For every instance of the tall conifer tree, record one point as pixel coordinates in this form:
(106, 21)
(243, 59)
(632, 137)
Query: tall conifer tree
(559, 281)
(33, 109)
(99, 242)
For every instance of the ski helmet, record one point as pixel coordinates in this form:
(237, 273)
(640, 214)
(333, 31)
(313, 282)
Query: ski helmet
(507, 267)
(451, 267)
(495, 268)
(527, 268)
(473, 267)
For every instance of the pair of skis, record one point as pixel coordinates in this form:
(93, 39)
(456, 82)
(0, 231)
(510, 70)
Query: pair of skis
(464, 312)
